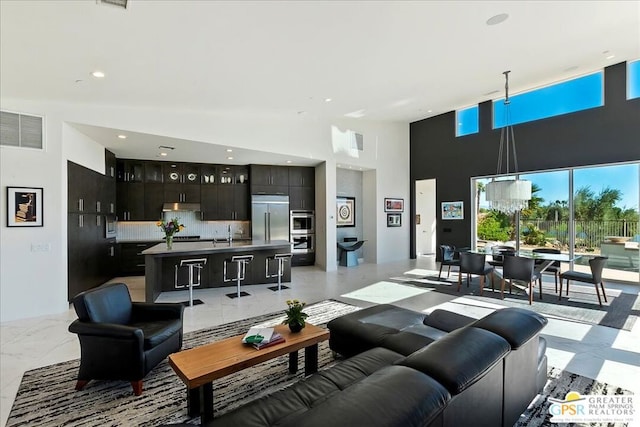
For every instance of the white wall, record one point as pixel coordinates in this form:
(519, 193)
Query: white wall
(43, 275)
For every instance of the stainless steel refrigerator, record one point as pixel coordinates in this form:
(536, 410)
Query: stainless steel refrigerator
(270, 217)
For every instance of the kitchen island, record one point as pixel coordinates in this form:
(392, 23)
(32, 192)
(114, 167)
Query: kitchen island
(162, 272)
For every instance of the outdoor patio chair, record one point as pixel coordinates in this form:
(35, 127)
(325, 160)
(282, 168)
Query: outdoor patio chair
(474, 263)
(520, 269)
(597, 265)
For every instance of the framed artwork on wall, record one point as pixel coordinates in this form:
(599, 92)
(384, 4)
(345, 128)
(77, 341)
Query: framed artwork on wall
(24, 207)
(394, 220)
(346, 211)
(453, 210)
(393, 205)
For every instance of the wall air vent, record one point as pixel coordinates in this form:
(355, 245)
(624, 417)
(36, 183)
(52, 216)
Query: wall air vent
(119, 3)
(20, 130)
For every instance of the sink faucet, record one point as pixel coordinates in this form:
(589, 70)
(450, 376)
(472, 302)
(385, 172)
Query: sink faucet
(230, 235)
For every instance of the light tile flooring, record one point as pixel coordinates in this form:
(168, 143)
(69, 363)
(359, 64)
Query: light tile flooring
(607, 354)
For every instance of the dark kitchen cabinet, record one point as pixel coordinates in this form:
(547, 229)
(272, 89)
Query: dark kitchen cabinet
(181, 173)
(186, 193)
(233, 202)
(153, 201)
(181, 182)
(268, 179)
(153, 172)
(302, 198)
(302, 176)
(302, 188)
(209, 174)
(130, 201)
(128, 170)
(209, 202)
(92, 196)
(131, 260)
(82, 187)
(270, 175)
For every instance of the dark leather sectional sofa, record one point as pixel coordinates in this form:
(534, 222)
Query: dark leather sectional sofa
(408, 369)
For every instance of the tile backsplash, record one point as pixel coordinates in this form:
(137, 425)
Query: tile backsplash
(148, 230)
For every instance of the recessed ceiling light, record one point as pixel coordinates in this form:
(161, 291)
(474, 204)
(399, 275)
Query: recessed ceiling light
(122, 136)
(229, 150)
(230, 158)
(98, 74)
(497, 19)
(327, 100)
(611, 56)
(429, 111)
(288, 161)
(163, 154)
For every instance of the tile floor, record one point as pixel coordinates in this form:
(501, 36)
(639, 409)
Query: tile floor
(607, 354)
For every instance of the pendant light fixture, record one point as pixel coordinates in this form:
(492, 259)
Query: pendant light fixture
(508, 195)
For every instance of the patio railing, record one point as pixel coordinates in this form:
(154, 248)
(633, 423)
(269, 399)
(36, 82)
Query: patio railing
(589, 234)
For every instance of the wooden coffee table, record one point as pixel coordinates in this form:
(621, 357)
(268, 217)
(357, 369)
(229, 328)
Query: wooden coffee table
(198, 367)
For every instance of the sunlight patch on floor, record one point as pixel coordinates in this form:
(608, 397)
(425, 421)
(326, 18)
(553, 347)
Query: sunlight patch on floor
(385, 292)
(421, 272)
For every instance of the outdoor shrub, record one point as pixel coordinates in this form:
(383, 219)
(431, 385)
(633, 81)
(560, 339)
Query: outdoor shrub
(490, 228)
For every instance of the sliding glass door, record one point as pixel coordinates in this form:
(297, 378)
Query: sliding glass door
(602, 217)
(605, 210)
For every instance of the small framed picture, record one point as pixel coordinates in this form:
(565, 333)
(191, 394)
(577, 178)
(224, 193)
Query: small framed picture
(394, 220)
(452, 210)
(24, 207)
(346, 212)
(393, 205)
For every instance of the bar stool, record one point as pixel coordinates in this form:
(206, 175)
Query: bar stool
(281, 259)
(193, 265)
(241, 262)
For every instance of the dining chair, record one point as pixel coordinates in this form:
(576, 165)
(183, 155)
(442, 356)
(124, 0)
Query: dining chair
(597, 265)
(448, 258)
(474, 263)
(498, 253)
(554, 268)
(520, 269)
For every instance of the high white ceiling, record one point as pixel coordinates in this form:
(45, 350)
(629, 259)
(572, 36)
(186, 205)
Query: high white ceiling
(380, 60)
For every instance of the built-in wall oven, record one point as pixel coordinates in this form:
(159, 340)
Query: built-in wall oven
(302, 222)
(110, 226)
(303, 243)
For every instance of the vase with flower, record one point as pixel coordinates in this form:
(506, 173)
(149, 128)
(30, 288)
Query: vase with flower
(295, 316)
(170, 228)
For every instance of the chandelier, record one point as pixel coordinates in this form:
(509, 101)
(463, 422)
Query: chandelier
(508, 195)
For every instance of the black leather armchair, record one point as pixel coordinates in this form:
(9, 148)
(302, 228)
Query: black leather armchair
(120, 339)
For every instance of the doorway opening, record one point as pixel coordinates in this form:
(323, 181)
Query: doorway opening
(425, 198)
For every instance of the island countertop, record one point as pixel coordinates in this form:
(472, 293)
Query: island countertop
(163, 272)
(208, 247)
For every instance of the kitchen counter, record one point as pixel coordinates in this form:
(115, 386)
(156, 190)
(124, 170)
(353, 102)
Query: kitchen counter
(205, 247)
(162, 272)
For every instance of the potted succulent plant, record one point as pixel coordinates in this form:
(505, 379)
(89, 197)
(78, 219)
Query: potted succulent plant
(295, 316)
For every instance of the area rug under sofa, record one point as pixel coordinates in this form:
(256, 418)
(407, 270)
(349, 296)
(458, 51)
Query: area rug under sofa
(46, 396)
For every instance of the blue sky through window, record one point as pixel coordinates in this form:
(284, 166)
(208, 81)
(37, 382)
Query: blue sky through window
(467, 121)
(566, 97)
(555, 185)
(633, 79)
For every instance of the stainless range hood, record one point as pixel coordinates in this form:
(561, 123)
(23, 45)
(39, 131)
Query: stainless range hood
(181, 207)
